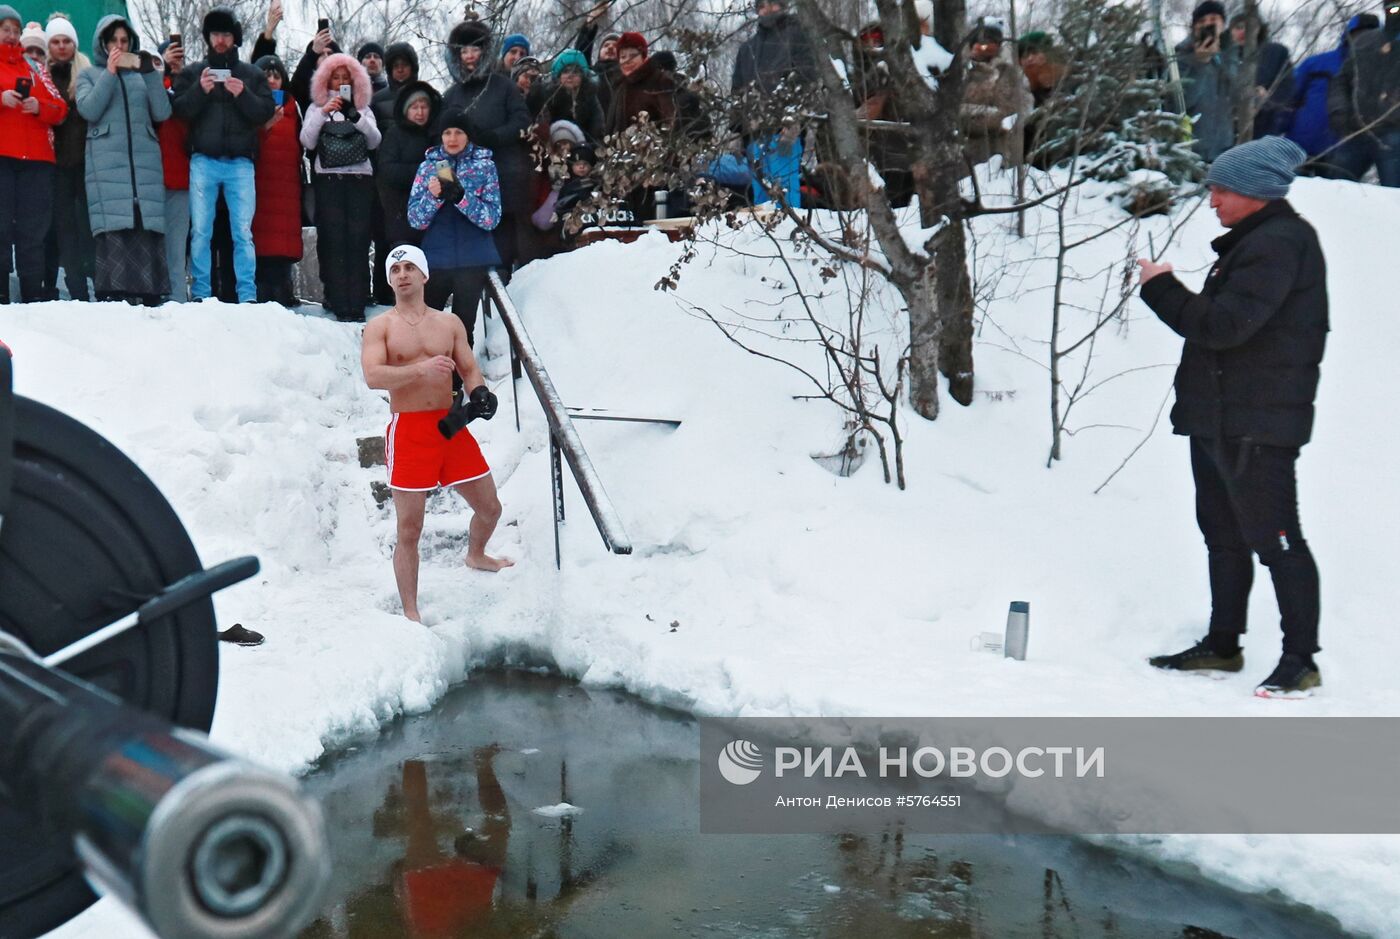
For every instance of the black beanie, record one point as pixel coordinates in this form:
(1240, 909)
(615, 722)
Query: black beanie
(1206, 8)
(584, 153)
(367, 48)
(470, 33)
(270, 63)
(222, 20)
(460, 119)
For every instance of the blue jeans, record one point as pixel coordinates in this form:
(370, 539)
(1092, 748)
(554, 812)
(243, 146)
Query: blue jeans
(234, 175)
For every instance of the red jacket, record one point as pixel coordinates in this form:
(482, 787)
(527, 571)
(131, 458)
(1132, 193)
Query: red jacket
(28, 136)
(174, 151)
(277, 177)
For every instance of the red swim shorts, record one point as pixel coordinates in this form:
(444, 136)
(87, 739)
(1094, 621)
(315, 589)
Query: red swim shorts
(420, 459)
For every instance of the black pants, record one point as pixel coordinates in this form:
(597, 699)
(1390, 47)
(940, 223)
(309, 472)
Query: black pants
(465, 285)
(383, 294)
(70, 244)
(274, 280)
(342, 241)
(26, 200)
(1246, 504)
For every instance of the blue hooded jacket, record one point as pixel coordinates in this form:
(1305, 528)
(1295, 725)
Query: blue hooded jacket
(1311, 80)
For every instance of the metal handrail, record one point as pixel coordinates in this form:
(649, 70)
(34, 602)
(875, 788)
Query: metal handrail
(563, 435)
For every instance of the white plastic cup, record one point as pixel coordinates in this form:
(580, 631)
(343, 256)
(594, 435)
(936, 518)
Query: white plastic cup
(986, 642)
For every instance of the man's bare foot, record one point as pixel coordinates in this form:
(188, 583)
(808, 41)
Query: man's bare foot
(484, 562)
(412, 615)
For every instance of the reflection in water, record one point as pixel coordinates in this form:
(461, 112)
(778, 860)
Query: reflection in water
(527, 806)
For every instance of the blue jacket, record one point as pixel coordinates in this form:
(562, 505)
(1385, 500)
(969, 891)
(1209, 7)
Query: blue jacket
(458, 235)
(1312, 79)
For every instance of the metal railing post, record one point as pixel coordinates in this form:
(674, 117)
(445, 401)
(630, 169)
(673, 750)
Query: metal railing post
(565, 445)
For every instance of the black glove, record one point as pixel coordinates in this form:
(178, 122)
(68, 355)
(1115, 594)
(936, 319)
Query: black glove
(452, 192)
(148, 63)
(482, 404)
(351, 113)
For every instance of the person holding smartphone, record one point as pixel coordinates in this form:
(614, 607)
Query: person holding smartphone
(277, 221)
(341, 130)
(122, 97)
(225, 102)
(456, 203)
(1207, 78)
(70, 243)
(30, 107)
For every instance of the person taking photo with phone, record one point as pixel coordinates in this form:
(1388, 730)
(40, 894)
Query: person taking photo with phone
(277, 222)
(30, 107)
(225, 102)
(70, 237)
(122, 97)
(341, 131)
(1208, 80)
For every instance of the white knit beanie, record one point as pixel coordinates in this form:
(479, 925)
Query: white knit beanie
(58, 26)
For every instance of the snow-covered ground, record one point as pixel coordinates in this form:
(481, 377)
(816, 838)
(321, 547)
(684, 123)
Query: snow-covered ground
(795, 591)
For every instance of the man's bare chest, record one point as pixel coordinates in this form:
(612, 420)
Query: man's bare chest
(406, 343)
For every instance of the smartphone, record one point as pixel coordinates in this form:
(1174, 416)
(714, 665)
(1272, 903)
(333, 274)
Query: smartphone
(129, 60)
(322, 24)
(221, 74)
(444, 170)
(175, 40)
(346, 92)
(23, 86)
(279, 96)
(1206, 35)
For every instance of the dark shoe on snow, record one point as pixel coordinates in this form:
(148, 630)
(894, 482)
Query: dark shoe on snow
(1295, 677)
(240, 635)
(1200, 657)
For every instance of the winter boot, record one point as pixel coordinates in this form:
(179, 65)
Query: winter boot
(240, 635)
(1204, 655)
(1295, 677)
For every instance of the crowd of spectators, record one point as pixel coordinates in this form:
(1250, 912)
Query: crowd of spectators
(145, 177)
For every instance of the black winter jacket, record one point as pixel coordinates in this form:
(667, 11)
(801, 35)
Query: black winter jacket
(552, 102)
(400, 155)
(498, 111)
(1254, 334)
(777, 49)
(1367, 88)
(382, 104)
(222, 125)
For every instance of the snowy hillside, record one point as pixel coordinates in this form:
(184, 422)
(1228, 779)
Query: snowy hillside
(794, 591)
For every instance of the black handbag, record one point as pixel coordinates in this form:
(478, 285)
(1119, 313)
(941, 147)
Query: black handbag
(341, 144)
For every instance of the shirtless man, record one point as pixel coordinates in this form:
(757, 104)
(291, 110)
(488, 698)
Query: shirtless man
(411, 352)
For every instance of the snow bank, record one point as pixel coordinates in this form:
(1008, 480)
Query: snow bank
(761, 584)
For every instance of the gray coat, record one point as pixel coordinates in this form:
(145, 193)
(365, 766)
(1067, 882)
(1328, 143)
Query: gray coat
(123, 154)
(1209, 89)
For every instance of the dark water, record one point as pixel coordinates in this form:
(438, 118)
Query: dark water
(435, 835)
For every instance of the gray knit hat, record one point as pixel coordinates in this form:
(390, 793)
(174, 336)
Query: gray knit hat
(8, 12)
(1260, 169)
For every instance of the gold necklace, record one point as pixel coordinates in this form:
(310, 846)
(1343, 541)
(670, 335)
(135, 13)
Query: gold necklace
(409, 322)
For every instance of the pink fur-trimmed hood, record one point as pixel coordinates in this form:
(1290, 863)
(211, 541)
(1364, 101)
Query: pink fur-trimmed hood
(320, 82)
